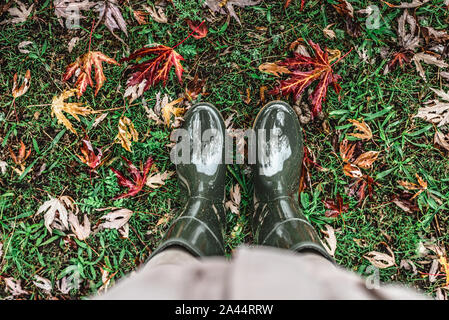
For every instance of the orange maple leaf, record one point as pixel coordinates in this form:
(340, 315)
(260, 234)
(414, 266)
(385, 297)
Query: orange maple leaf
(84, 65)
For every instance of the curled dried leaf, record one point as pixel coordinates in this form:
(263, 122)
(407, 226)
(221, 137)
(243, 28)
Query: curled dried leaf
(364, 131)
(20, 91)
(126, 133)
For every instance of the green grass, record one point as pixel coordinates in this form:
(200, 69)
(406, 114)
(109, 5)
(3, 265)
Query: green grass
(228, 59)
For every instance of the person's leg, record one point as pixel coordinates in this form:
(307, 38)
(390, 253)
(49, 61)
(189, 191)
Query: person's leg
(278, 221)
(199, 157)
(199, 229)
(170, 256)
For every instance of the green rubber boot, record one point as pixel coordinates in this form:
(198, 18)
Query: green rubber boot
(278, 220)
(200, 227)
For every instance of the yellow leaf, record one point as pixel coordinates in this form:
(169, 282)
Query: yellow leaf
(126, 133)
(169, 109)
(73, 108)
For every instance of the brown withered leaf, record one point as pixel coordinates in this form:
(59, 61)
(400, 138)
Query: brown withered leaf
(405, 201)
(429, 59)
(110, 14)
(157, 13)
(19, 13)
(56, 211)
(441, 140)
(126, 133)
(58, 106)
(362, 187)
(329, 33)
(366, 160)
(364, 133)
(157, 180)
(437, 111)
(408, 32)
(218, 6)
(199, 29)
(335, 207)
(140, 16)
(82, 68)
(273, 68)
(381, 260)
(20, 158)
(117, 219)
(19, 91)
(81, 231)
(234, 203)
(352, 171)
(347, 150)
(331, 241)
(345, 9)
(421, 186)
(14, 287)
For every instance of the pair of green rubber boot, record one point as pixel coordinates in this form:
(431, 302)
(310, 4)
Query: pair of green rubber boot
(277, 220)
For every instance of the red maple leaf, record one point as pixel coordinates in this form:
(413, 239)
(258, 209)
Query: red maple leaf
(137, 181)
(336, 207)
(401, 58)
(306, 70)
(88, 155)
(154, 70)
(200, 29)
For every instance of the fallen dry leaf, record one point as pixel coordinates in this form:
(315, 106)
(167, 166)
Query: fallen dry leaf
(126, 133)
(441, 139)
(364, 133)
(218, 6)
(335, 207)
(88, 155)
(58, 105)
(20, 158)
(421, 186)
(117, 219)
(81, 231)
(82, 68)
(109, 12)
(151, 72)
(56, 211)
(14, 287)
(234, 203)
(429, 59)
(19, 91)
(381, 260)
(157, 180)
(328, 33)
(43, 283)
(331, 241)
(200, 29)
(19, 13)
(438, 111)
(366, 160)
(157, 13)
(169, 109)
(273, 68)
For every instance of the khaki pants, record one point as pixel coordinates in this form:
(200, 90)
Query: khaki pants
(253, 273)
